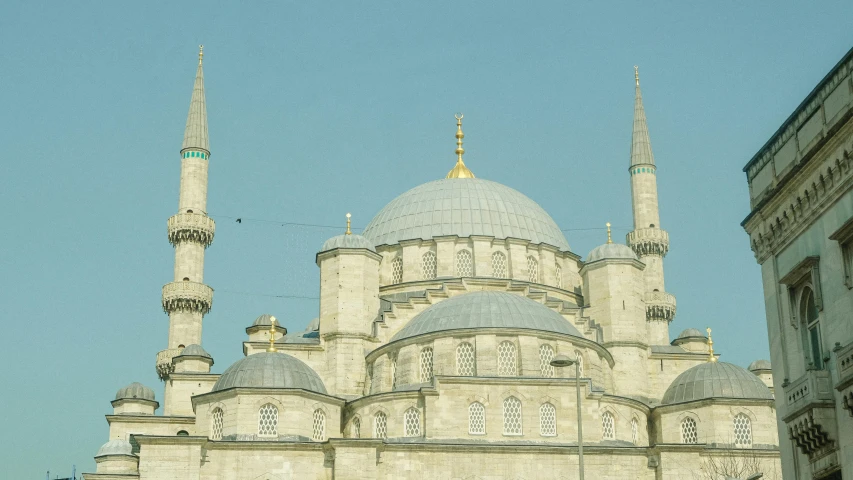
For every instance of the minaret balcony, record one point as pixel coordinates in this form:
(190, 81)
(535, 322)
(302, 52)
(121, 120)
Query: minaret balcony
(164, 361)
(191, 227)
(648, 241)
(660, 306)
(187, 296)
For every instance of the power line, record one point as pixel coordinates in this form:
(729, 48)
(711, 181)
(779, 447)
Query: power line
(267, 295)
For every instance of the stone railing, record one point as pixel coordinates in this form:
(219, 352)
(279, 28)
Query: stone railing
(844, 367)
(164, 361)
(659, 306)
(186, 295)
(648, 241)
(810, 413)
(191, 227)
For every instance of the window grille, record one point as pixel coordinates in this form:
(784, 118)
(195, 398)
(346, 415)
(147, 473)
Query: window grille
(579, 359)
(546, 354)
(396, 270)
(743, 431)
(428, 266)
(216, 424)
(412, 422)
(319, 433)
(507, 362)
(356, 427)
(499, 265)
(558, 271)
(464, 264)
(608, 426)
(426, 364)
(635, 431)
(268, 420)
(380, 425)
(512, 416)
(476, 419)
(689, 432)
(547, 420)
(465, 360)
(532, 269)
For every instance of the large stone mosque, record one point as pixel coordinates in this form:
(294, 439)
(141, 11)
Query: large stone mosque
(449, 339)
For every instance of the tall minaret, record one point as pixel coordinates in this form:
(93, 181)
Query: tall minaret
(187, 299)
(648, 240)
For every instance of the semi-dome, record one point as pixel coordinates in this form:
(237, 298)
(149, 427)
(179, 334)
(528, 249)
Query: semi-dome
(611, 250)
(715, 380)
(486, 310)
(759, 365)
(195, 350)
(463, 207)
(270, 370)
(135, 390)
(348, 241)
(115, 447)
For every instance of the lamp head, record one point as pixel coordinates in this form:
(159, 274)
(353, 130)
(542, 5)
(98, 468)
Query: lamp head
(562, 361)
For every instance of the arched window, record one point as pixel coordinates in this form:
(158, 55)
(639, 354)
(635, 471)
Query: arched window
(499, 265)
(464, 264)
(547, 420)
(268, 420)
(579, 359)
(412, 423)
(743, 431)
(426, 364)
(183, 433)
(216, 420)
(319, 433)
(546, 354)
(428, 266)
(466, 365)
(532, 269)
(558, 271)
(380, 425)
(608, 426)
(356, 427)
(393, 373)
(396, 270)
(689, 432)
(635, 431)
(810, 318)
(512, 416)
(476, 419)
(507, 361)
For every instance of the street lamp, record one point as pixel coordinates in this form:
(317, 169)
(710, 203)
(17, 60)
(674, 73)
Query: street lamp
(560, 361)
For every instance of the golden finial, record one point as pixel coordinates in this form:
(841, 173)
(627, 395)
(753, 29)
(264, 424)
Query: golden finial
(272, 335)
(200, 53)
(459, 170)
(609, 240)
(637, 75)
(711, 357)
(349, 232)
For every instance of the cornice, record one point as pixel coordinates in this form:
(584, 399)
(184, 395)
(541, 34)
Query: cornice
(159, 419)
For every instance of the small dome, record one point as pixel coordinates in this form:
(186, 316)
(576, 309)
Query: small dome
(347, 241)
(611, 250)
(115, 447)
(270, 370)
(715, 380)
(759, 365)
(195, 351)
(135, 390)
(486, 310)
(691, 333)
(264, 320)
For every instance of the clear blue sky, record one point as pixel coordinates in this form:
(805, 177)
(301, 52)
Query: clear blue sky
(319, 109)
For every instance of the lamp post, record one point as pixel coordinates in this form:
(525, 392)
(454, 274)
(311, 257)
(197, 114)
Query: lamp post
(560, 361)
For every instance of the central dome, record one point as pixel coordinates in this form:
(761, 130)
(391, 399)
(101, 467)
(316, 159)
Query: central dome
(463, 207)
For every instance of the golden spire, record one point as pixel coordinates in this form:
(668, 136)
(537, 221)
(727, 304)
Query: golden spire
(711, 357)
(609, 240)
(349, 232)
(459, 170)
(272, 335)
(200, 53)
(637, 75)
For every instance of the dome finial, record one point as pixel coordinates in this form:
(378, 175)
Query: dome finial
(609, 240)
(200, 53)
(711, 357)
(272, 335)
(459, 170)
(349, 232)
(637, 75)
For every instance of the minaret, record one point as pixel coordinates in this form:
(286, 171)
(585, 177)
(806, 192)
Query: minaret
(187, 299)
(648, 240)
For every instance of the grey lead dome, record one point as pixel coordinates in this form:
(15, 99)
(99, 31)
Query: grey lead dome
(115, 447)
(611, 250)
(715, 380)
(463, 207)
(270, 370)
(486, 310)
(347, 241)
(135, 390)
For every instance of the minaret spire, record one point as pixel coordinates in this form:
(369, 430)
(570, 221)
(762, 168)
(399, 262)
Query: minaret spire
(195, 135)
(641, 145)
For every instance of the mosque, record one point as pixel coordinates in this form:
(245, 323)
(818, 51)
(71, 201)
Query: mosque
(458, 337)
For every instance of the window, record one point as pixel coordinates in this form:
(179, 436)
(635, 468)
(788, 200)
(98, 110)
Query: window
(743, 431)
(356, 427)
(499, 265)
(635, 431)
(810, 318)
(216, 424)
(428, 266)
(476, 419)
(558, 271)
(532, 269)
(319, 433)
(579, 359)
(689, 433)
(396, 271)
(268, 420)
(183, 433)
(464, 264)
(547, 420)
(380, 425)
(608, 426)
(844, 237)
(412, 422)
(546, 354)
(426, 364)
(512, 416)
(507, 363)
(393, 373)
(465, 361)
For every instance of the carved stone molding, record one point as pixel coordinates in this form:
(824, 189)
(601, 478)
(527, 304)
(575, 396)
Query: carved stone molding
(660, 306)
(164, 361)
(648, 241)
(810, 413)
(187, 296)
(191, 227)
